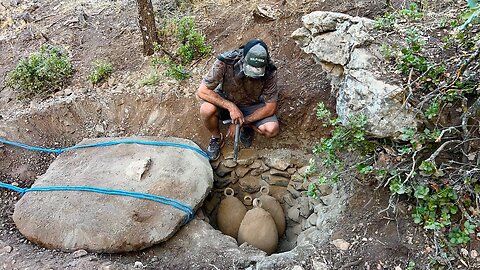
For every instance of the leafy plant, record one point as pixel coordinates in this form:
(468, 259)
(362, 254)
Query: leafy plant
(421, 192)
(397, 187)
(348, 137)
(364, 168)
(188, 43)
(100, 72)
(312, 191)
(458, 237)
(428, 168)
(386, 50)
(472, 15)
(175, 70)
(386, 22)
(192, 43)
(41, 73)
(412, 12)
(411, 266)
(435, 210)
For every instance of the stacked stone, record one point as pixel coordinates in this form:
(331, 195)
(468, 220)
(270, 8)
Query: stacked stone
(254, 169)
(282, 171)
(304, 214)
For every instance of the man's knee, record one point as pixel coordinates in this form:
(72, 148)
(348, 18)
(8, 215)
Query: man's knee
(270, 129)
(207, 110)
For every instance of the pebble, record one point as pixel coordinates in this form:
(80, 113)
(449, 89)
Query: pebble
(341, 244)
(312, 219)
(80, 253)
(325, 190)
(106, 266)
(279, 173)
(304, 207)
(293, 214)
(138, 265)
(297, 267)
(287, 198)
(6, 249)
(230, 163)
(292, 191)
(473, 253)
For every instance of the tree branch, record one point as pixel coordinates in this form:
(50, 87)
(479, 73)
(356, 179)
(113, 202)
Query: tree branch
(459, 73)
(440, 149)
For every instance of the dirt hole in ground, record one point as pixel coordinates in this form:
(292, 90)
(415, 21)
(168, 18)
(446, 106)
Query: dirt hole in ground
(281, 172)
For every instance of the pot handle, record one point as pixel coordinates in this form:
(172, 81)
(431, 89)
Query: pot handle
(257, 203)
(265, 190)
(228, 192)
(247, 200)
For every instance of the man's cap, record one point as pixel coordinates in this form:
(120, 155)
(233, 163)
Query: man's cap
(255, 61)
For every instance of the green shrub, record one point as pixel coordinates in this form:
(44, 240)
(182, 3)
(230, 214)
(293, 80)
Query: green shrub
(192, 43)
(386, 22)
(343, 138)
(411, 13)
(187, 43)
(40, 74)
(176, 71)
(100, 72)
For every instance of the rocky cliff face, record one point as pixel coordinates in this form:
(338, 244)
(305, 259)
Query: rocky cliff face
(347, 52)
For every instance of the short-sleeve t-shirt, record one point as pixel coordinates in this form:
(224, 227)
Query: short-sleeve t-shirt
(229, 81)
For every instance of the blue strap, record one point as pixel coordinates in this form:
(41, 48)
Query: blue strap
(61, 150)
(156, 198)
(139, 195)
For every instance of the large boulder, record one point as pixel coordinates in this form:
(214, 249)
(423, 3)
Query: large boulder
(346, 50)
(71, 220)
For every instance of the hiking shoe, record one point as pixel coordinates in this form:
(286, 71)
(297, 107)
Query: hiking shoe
(246, 136)
(214, 147)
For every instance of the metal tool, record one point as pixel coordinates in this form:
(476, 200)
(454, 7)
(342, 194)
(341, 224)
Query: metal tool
(237, 136)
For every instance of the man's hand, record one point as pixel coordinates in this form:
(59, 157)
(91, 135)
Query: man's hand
(236, 115)
(231, 131)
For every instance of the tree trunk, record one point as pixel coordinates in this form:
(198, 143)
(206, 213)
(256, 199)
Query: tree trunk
(146, 19)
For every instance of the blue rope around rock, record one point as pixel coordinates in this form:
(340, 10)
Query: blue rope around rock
(139, 195)
(61, 150)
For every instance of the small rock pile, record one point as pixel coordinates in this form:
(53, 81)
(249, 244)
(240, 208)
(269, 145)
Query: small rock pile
(281, 170)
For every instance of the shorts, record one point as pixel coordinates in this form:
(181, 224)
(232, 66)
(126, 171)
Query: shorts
(247, 110)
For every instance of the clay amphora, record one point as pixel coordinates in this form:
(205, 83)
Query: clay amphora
(230, 214)
(258, 229)
(272, 206)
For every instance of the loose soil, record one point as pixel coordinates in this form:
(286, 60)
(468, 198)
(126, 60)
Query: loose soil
(91, 30)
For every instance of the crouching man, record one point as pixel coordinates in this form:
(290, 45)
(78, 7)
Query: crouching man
(241, 86)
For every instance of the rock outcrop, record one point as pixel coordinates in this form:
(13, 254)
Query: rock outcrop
(72, 220)
(346, 50)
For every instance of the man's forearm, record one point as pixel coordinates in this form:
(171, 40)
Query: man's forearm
(212, 97)
(264, 112)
